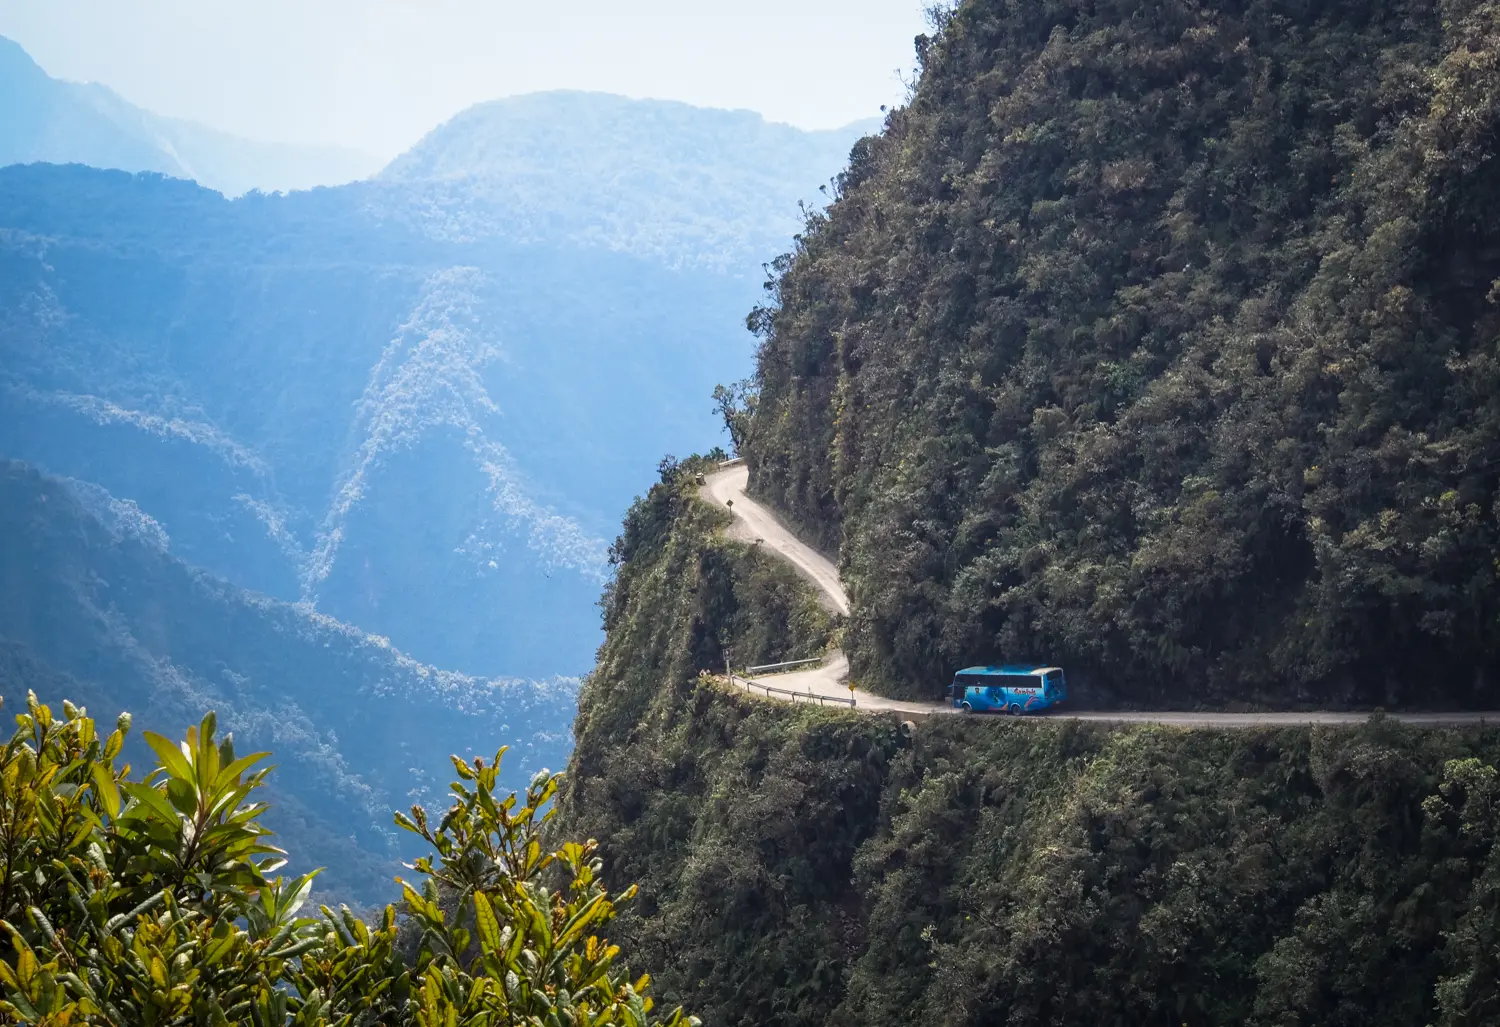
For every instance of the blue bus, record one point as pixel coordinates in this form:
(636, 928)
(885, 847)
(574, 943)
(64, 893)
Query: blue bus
(1014, 689)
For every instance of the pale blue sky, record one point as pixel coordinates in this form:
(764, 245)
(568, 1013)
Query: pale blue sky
(377, 74)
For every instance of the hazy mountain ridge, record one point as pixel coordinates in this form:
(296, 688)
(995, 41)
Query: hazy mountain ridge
(48, 120)
(428, 379)
(122, 518)
(290, 453)
(328, 404)
(359, 727)
(664, 180)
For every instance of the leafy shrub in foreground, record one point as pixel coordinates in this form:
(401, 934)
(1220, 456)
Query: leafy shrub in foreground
(151, 902)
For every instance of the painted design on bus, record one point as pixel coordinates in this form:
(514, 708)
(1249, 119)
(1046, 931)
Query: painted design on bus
(1013, 689)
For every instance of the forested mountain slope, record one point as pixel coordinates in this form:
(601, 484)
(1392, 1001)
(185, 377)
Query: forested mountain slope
(1160, 342)
(44, 119)
(803, 867)
(93, 609)
(307, 404)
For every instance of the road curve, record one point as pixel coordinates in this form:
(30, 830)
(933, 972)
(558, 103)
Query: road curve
(755, 523)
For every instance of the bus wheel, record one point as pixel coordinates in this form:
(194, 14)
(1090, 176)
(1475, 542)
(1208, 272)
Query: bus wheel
(966, 708)
(1015, 710)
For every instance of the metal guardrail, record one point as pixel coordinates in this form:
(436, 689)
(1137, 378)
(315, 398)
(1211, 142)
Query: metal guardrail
(784, 663)
(750, 686)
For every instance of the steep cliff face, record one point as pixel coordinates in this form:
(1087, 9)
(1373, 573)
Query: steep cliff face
(1161, 342)
(810, 867)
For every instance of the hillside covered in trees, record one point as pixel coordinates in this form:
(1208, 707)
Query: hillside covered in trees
(1160, 341)
(809, 867)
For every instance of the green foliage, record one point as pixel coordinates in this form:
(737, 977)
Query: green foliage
(530, 954)
(746, 913)
(1160, 342)
(150, 901)
(818, 868)
(1144, 875)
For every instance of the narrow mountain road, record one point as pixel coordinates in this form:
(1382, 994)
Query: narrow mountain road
(755, 523)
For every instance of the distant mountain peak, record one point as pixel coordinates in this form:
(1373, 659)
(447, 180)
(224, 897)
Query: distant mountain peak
(14, 55)
(603, 127)
(47, 120)
(691, 186)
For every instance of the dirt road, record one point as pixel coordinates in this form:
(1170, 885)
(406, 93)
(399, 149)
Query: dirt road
(830, 680)
(754, 523)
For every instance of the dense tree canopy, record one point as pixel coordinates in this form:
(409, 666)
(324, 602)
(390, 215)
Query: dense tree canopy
(1160, 340)
(150, 901)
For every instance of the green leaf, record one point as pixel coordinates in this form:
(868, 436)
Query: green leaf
(183, 795)
(301, 888)
(234, 770)
(305, 945)
(148, 798)
(170, 755)
(489, 927)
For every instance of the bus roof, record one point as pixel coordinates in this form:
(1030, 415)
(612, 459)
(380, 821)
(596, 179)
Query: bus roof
(1012, 669)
